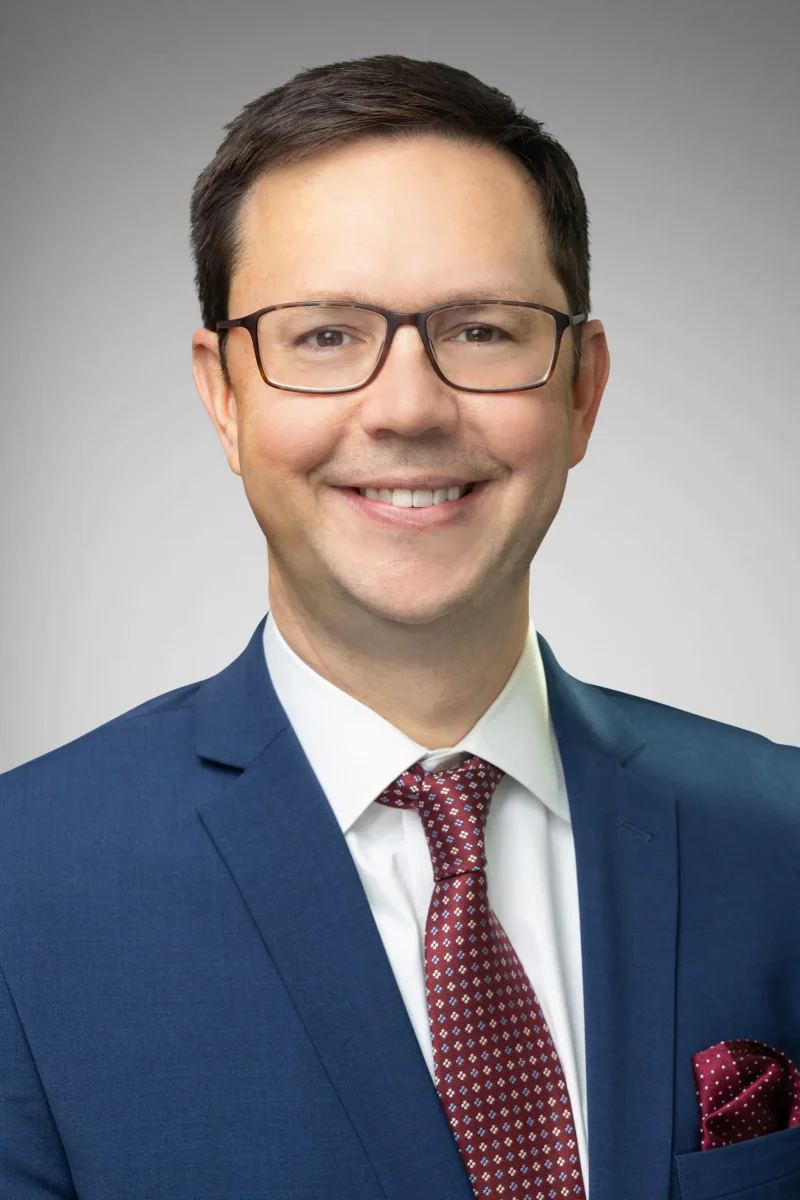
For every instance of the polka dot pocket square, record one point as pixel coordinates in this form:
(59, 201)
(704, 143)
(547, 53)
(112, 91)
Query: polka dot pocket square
(745, 1089)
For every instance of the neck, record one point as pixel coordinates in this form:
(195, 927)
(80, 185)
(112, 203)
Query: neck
(432, 680)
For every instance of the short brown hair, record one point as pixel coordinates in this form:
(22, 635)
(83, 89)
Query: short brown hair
(386, 95)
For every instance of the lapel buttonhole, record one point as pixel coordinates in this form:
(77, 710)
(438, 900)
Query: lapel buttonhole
(640, 833)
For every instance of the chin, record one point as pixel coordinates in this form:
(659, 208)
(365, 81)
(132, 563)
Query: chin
(411, 607)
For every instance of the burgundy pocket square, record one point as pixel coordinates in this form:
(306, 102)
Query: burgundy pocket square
(745, 1089)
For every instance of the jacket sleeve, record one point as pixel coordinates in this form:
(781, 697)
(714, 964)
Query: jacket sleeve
(33, 1163)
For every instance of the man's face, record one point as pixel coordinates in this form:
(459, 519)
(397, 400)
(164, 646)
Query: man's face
(398, 224)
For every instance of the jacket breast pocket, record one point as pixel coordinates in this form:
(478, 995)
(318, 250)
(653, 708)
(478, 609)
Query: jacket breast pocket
(762, 1168)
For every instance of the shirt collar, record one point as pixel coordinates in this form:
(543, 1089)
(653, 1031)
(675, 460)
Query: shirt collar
(356, 753)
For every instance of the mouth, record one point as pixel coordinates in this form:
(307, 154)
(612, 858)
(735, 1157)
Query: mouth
(416, 497)
(402, 508)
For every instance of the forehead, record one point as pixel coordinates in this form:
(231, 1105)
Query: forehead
(398, 222)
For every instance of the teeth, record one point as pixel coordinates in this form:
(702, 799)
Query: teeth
(404, 498)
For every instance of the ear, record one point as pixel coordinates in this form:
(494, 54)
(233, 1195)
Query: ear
(588, 388)
(216, 393)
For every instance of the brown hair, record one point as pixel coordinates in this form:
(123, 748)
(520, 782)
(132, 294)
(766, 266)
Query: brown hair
(386, 95)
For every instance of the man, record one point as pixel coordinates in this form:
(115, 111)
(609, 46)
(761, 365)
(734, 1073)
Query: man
(394, 908)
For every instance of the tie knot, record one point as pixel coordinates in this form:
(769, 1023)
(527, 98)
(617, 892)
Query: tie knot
(453, 806)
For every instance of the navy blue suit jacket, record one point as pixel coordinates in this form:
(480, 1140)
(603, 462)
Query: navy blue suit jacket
(195, 1001)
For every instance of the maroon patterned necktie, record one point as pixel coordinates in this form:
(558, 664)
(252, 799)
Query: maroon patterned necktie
(496, 1069)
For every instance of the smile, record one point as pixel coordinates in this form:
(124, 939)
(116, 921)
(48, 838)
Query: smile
(400, 508)
(418, 498)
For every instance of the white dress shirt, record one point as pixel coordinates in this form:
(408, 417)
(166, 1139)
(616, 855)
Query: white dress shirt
(531, 873)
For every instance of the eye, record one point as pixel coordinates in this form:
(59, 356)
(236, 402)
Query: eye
(329, 338)
(481, 331)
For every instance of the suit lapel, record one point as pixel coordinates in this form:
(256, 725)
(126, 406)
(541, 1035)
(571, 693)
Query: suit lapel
(274, 829)
(625, 832)
(278, 836)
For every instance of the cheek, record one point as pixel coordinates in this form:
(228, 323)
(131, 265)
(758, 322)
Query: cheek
(291, 434)
(528, 432)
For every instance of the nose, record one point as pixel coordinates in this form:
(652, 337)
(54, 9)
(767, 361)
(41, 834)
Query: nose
(407, 396)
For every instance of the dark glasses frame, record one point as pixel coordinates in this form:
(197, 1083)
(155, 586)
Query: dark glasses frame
(394, 320)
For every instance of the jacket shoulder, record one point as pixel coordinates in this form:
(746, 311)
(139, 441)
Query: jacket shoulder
(105, 742)
(724, 768)
(683, 727)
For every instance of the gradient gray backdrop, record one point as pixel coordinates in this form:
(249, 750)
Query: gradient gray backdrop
(131, 563)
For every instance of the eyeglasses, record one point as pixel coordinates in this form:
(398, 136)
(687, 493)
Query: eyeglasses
(475, 346)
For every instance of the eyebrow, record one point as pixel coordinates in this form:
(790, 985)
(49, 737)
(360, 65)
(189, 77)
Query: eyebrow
(450, 296)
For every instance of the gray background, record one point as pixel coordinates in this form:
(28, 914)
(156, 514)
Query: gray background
(131, 563)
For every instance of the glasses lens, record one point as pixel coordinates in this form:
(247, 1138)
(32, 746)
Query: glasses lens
(320, 347)
(493, 345)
